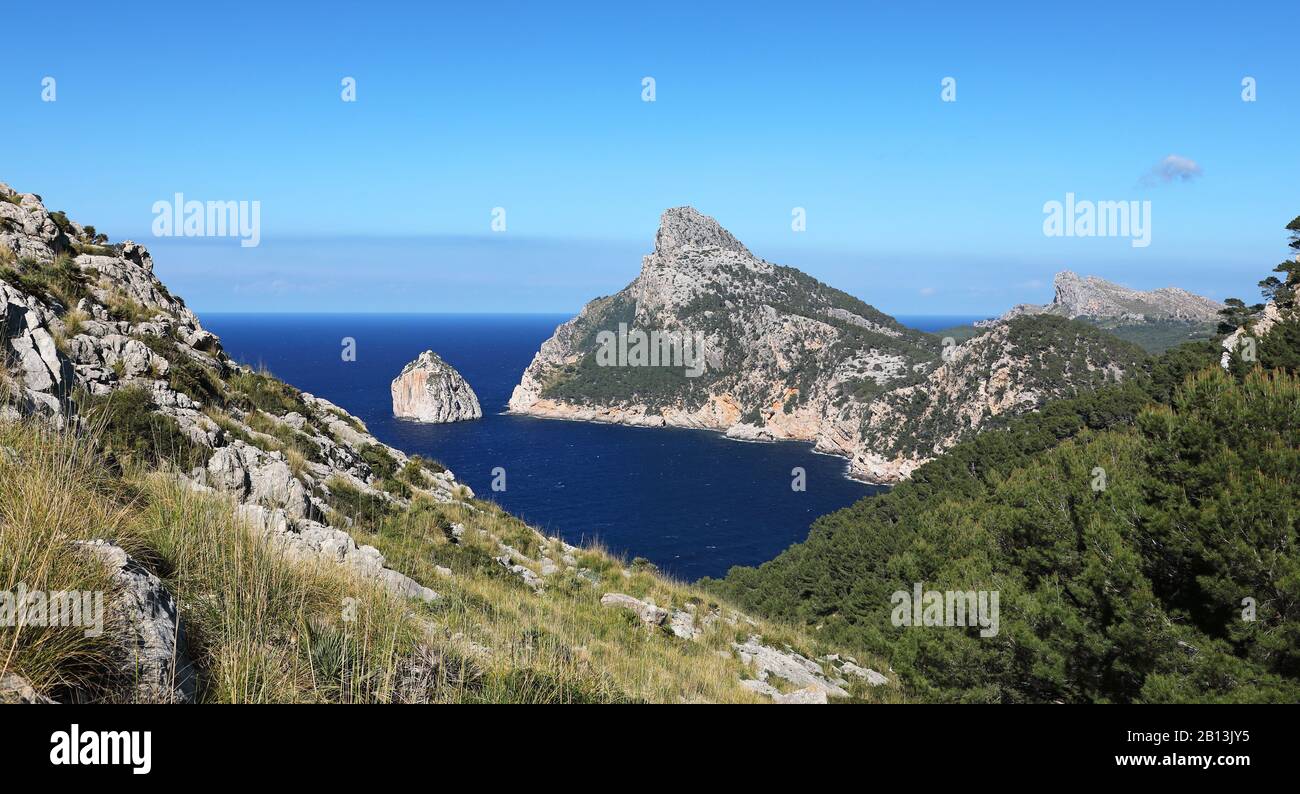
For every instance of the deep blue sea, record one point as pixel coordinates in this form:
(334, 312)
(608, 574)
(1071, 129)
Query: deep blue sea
(691, 501)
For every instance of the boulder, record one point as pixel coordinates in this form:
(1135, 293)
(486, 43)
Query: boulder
(870, 676)
(807, 695)
(786, 665)
(153, 652)
(649, 614)
(683, 625)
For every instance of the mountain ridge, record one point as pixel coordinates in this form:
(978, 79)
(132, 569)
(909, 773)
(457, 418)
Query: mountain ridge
(1091, 296)
(791, 358)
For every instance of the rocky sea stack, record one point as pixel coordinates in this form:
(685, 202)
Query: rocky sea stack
(431, 390)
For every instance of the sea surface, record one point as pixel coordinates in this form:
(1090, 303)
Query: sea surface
(691, 501)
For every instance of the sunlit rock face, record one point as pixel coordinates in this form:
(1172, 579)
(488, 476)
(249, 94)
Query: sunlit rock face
(431, 390)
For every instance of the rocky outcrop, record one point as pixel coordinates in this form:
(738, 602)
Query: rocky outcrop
(783, 356)
(1259, 326)
(80, 317)
(1014, 368)
(1091, 297)
(153, 651)
(788, 666)
(649, 614)
(431, 390)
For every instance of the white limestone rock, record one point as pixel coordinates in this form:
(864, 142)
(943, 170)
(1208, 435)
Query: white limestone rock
(153, 652)
(651, 615)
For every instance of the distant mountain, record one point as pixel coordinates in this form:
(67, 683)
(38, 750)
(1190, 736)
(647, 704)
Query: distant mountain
(780, 355)
(1095, 298)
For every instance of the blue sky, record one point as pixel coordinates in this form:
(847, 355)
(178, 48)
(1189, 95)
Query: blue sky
(916, 205)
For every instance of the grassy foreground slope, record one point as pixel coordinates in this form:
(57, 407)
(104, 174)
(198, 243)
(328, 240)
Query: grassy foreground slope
(265, 628)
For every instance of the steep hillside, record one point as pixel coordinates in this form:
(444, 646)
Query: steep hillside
(787, 357)
(258, 544)
(1144, 539)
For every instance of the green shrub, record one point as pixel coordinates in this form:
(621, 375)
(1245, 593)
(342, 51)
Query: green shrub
(60, 219)
(395, 487)
(263, 391)
(123, 308)
(380, 461)
(130, 430)
(365, 509)
(60, 279)
(94, 249)
(186, 375)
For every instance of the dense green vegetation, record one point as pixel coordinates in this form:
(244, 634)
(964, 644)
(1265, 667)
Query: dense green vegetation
(131, 432)
(1143, 539)
(1157, 336)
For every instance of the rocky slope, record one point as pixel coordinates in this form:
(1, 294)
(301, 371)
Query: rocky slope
(788, 357)
(93, 344)
(431, 390)
(81, 322)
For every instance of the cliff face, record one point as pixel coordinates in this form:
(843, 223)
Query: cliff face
(783, 356)
(431, 390)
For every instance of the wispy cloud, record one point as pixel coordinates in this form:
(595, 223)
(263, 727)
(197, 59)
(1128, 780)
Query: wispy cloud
(1173, 168)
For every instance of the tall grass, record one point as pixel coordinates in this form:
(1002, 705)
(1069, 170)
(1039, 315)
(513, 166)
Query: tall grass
(265, 627)
(54, 492)
(262, 627)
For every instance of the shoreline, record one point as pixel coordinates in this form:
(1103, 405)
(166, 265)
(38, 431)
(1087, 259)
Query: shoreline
(848, 473)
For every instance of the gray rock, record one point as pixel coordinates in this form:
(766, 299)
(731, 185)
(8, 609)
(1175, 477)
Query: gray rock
(1090, 296)
(523, 572)
(649, 614)
(786, 665)
(870, 676)
(760, 687)
(15, 689)
(683, 625)
(154, 653)
(807, 695)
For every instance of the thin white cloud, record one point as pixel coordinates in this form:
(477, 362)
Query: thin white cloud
(1173, 168)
